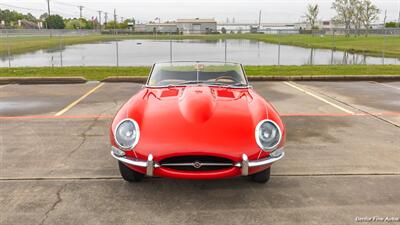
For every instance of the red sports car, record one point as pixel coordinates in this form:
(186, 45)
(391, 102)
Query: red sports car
(197, 120)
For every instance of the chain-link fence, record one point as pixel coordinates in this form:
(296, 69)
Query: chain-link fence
(37, 48)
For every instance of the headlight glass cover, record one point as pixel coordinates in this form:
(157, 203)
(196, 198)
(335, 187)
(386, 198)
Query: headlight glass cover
(127, 134)
(268, 135)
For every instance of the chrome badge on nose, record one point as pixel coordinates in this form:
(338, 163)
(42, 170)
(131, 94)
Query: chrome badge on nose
(197, 164)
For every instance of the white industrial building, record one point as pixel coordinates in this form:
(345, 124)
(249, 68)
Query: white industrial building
(197, 26)
(184, 26)
(161, 27)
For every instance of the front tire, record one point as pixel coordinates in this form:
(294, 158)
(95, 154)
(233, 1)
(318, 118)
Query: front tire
(262, 177)
(128, 174)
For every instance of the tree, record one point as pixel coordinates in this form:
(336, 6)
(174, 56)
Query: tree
(74, 24)
(391, 25)
(370, 14)
(312, 15)
(30, 17)
(357, 19)
(345, 12)
(111, 25)
(43, 16)
(55, 22)
(223, 30)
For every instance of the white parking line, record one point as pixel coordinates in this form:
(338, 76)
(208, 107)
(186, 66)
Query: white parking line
(291, 84)
(3, 86)
(386, 85)
(68, 107)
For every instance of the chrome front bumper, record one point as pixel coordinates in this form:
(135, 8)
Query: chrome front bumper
(245, 164)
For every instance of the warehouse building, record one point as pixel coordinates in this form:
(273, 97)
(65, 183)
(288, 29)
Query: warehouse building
(197, 26)
(183, 26)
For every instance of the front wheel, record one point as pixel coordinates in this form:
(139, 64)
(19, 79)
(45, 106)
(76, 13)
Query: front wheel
(128, 174)
(262, 177)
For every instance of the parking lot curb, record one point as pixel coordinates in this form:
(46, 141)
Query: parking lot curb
(143, 79)
(327, 78)
(284, 78)
(137, 79)
(42, 80)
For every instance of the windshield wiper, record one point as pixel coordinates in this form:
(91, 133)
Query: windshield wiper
(237, 84)
(185, 82)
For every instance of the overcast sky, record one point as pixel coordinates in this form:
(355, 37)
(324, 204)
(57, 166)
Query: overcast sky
(241, 10)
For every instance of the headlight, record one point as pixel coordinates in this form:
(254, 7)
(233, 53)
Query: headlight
(126, 134)
(268, 135)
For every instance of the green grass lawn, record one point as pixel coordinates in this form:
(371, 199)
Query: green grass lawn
(371, 45)
(99, 73)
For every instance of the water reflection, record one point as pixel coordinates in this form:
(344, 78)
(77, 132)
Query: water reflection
(146, 52)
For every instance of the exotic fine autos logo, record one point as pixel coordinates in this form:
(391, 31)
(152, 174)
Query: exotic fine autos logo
(386, 219)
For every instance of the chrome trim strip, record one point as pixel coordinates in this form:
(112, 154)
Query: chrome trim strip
(263, 162)
(191, 164)
(117, 151)
(133, 162)
(244, 165)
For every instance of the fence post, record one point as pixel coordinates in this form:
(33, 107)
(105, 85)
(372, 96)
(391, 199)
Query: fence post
(384, 47)
(226, 46)
(8, 49)
(279, 53)
(61, 51)
(333, 40)
(117, 52)
(170, 50)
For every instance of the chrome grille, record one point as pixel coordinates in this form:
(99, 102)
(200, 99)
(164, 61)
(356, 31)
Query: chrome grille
(196, 163)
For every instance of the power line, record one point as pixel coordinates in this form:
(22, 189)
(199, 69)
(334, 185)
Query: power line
(72, 5)
(23, 8)
(51, 10)
(13, 7)
(65, 4)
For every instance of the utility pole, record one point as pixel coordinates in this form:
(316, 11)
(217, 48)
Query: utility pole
(398, 20)
(48, 7)
(384, 41)
(115, 20)
(105, 17)
(99, 19)
(80, 11)
(384, 20)
(122, 19)
(48, 15)
(115, 34)
(259, 20)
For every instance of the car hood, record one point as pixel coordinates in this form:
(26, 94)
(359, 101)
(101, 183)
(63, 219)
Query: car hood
(197, 120)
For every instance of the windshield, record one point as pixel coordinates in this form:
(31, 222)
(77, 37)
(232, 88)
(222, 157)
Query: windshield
(209, 73)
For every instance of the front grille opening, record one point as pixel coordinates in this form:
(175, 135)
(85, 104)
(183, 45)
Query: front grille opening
(196, 163)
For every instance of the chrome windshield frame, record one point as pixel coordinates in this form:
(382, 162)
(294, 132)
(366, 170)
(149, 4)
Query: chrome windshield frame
(246, 85)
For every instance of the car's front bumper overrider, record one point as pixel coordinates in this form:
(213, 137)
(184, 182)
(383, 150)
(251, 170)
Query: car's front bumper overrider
(245, 164)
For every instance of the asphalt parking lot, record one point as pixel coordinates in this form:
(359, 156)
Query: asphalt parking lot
(342, 161)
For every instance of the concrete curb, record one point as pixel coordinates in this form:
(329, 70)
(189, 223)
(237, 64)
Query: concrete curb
(284, 78)
(42, 80)
(137, 79)
(78, 80)
(327, 78)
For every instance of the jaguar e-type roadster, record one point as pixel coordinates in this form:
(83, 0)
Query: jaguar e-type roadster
(197, 120)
